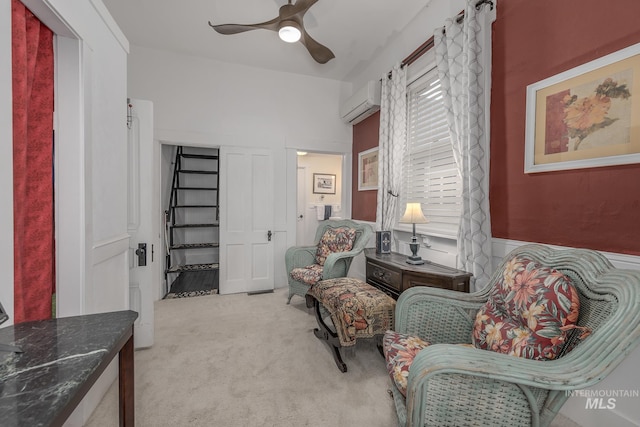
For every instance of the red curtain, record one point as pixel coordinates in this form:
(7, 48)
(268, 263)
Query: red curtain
(33, 245)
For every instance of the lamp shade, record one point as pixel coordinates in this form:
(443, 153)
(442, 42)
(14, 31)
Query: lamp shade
(413, 215)
(289, 31)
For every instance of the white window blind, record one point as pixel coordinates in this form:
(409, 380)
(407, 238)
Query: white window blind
(430, 174)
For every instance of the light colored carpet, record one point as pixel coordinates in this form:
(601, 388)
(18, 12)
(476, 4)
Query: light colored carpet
(240, 360)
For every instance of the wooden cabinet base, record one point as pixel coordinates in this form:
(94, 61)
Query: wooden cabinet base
(392, 274)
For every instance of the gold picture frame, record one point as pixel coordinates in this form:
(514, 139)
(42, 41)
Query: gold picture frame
(368, 169)
(588, 116)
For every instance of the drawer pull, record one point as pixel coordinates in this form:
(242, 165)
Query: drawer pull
(379, 274)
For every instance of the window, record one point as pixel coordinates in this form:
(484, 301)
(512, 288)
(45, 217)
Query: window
(430, 173)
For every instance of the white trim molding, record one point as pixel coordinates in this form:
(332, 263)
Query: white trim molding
(111, 24)
(502, 247)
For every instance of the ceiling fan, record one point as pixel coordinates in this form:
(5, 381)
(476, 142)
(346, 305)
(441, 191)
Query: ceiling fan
(290, 28)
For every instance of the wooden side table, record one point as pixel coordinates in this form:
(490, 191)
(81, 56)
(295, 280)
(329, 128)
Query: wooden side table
(391, 274)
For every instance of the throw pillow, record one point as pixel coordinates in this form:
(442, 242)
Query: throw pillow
(338, 239)
(529, 312)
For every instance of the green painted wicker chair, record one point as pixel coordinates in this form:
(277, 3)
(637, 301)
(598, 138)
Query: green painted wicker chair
(454, 385)
(336, 264)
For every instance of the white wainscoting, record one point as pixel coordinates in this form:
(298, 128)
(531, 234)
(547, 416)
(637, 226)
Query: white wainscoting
(445, 251)
(358, 267)
(502, 247)
(626, 376)
(439, 250)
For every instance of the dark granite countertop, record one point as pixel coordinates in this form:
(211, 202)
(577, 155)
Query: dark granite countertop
(61, 359)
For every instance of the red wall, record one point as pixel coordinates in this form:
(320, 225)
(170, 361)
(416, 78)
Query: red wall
(365, 136)
(596, 208)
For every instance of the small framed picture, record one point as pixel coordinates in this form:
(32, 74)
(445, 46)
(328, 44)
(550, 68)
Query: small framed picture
(324, 183)
(368, 169)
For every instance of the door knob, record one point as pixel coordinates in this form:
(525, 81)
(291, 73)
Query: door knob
(141, 252)
(269, 234)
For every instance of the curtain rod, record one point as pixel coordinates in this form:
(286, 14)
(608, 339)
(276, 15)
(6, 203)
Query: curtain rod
(479, 4)
(424, 47)
(421, 50)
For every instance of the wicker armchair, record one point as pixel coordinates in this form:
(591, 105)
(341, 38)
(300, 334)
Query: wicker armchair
(336, 264)
(452, 384)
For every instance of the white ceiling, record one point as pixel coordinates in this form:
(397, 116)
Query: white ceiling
(353, 29)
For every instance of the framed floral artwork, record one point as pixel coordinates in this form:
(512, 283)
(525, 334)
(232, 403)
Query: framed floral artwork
(587, 116)
(368, 169)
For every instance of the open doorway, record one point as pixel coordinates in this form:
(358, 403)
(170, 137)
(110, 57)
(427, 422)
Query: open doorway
(190, 199)
(320, 193)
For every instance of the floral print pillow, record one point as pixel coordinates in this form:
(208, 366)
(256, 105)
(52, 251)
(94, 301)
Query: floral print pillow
(529, 312)
(335, 240)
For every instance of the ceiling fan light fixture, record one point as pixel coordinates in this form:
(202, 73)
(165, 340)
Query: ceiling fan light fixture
(289, 31)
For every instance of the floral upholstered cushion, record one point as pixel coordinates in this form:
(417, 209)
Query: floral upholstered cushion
(335, 240)
(399, 352)
(529, 312)
(357, 308)
(309, 274)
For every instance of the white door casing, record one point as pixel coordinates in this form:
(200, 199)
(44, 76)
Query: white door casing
(246, 220)
(301, 204)
(143, 222)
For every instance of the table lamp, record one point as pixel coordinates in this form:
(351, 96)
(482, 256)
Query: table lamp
(413, 215)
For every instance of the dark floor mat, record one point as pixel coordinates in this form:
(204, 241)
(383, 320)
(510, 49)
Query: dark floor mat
(194, 283)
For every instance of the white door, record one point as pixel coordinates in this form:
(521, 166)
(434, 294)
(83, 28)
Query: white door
(301, 203)
(145, 254)
(246, 220)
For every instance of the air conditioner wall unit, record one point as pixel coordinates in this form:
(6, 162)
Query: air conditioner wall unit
(362, 103)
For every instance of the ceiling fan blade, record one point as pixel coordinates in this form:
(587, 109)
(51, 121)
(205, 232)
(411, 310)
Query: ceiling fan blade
(228, 29)
(302, 6)
(319, 52)
(288, 12)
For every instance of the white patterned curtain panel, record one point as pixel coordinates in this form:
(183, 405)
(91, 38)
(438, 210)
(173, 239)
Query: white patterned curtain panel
(393, 131)
(459, 57)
